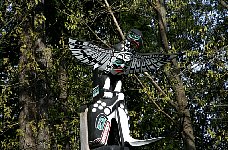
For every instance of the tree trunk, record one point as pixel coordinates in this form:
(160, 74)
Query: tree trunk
(62, 83)
(28, 113)
(178, 87)
(34, 100)
(43, 95)
(187, 130)
(34, 94)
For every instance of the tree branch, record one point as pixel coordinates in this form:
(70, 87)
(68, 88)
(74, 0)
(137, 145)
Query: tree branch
(160, 90)
(161, 22)
(95, 34)
(224, 4)
(84, 23)
(158, 107)
(114, 19)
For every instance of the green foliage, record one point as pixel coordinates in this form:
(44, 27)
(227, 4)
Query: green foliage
(195, 28)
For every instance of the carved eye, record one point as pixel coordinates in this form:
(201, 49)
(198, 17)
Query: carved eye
(119, 61)
(134, 36)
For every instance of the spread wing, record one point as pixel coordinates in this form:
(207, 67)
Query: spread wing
(91, 54)
(103, 59)
(147, 62)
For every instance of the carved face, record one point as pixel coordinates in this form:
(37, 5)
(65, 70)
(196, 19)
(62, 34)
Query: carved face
(121, 62)
(135, 39)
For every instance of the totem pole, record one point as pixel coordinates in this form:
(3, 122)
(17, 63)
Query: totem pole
(107, 115)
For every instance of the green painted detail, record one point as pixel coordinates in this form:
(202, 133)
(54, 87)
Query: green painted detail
(96, 91)
(101, 123)
(134, 36)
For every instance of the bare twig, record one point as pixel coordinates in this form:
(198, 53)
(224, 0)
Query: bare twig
(155, 84)
(158, 107)
(82, 22)
(114, 19)
(224, 4)
(96, 34)
(160, 90)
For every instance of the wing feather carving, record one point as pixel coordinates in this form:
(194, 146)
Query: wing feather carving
(148, 62)
(90, 54)
(106, 59)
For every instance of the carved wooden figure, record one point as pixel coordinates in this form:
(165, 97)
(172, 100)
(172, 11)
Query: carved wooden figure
(107, 115)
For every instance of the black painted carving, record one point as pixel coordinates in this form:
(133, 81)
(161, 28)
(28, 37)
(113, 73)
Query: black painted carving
(108, 112)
